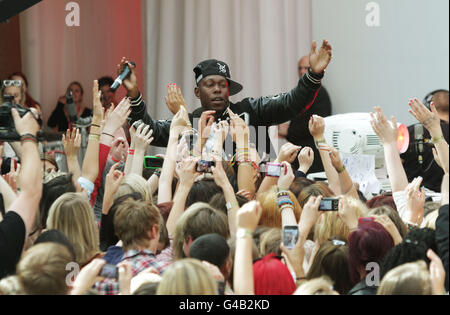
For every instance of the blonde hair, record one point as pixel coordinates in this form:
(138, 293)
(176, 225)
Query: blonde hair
(187, 277)
(317, 286)
(270, 242)
(72, 215)
(330, 224)
(407, 279)
(271, 215)
(42, 270)
(134, 183)
(430, 219)
(10, 286)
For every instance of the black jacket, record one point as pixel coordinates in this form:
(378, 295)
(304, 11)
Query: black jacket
(262, 112)
(442, 237)
(298, 132)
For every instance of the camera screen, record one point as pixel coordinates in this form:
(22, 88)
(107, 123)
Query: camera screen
(109, 271)
(153, 162)
(329, 204)
(290, 236)
(204, 166)
(273, 170)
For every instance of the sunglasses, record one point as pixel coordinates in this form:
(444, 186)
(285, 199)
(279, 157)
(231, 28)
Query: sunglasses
(7, 83)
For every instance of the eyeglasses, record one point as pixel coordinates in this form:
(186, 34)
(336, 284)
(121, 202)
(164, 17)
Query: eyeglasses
(7, 83)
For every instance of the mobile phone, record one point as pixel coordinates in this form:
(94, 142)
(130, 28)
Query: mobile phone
(290, 236)
(329, 204)
(205, 166)
(109, 271)
(273, 169)
(153, 162)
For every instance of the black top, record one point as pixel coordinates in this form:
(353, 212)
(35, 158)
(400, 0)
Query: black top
(361, 288)
(59, 119)
(442, 236)
(12, 239)
(431, 172)
(298, 132)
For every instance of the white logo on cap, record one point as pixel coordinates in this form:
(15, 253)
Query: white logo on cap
(222, 68)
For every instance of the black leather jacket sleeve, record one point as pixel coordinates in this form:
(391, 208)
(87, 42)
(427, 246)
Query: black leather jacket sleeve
(281, 108)
(161, 128)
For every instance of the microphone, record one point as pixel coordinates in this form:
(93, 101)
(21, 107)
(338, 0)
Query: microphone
(71, 109)
(418, 138)
(125, 73)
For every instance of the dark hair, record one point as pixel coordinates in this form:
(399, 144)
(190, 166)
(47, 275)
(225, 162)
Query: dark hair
(257, 235)
(210, 247)
(106, 80)
(332, 260)
(369, 243)
(164, 235)
(148, 288)
(393, 215)
(56, 236)
(202, 191)
(413, 247)
(52, 191)
(218, 202)
(361, 196)
(107, 233)
(381, 200)
(299, 183)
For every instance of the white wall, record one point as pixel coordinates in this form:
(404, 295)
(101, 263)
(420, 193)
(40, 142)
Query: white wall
(406, 56)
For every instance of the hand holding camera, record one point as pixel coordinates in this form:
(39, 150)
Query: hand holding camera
(286, 176)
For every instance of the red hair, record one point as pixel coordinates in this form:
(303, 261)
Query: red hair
(272, 277)
(369, 243)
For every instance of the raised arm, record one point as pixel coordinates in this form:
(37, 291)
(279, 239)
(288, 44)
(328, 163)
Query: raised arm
(178, 125)
(387, 134)
(282, 108)
(160, 128)
(317, 129)
(72, 143)
(431, 121)
(30, 177)
(247, 221)
(187, 173)
(90, 167)
(142, 140)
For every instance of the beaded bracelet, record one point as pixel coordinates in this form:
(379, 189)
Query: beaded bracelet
(131, 152)
(341, 169)
(437, 139)
(95, 125)
(286, 206)
(28, 137)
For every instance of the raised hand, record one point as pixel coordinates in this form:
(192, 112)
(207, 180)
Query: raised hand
(286, 178)
(130, 83)
(437, 273)
(348, 213)
(415, 201)
(205, 123)
(248, 215)
(305, 159)
(117, 117)
(288, 152)
(239, 130)
(387, 133)
(187, 171)
(319, 59)
(97, 108)
(334, 156)
(316, 127)
(174, 99)
(428, 118)
(71, 142)
(143, 137)
(179, 122)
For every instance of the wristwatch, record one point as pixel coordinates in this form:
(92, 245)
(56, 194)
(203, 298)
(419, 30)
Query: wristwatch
(241, 233)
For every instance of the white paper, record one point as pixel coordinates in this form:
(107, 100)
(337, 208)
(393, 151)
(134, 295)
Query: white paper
(361, 168)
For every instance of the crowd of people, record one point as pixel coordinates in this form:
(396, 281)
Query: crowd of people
(212, 219)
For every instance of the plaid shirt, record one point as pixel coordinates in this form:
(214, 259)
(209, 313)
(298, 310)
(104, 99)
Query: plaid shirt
(139, 261)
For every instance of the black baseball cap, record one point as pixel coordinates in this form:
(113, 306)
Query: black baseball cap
(216, 67)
